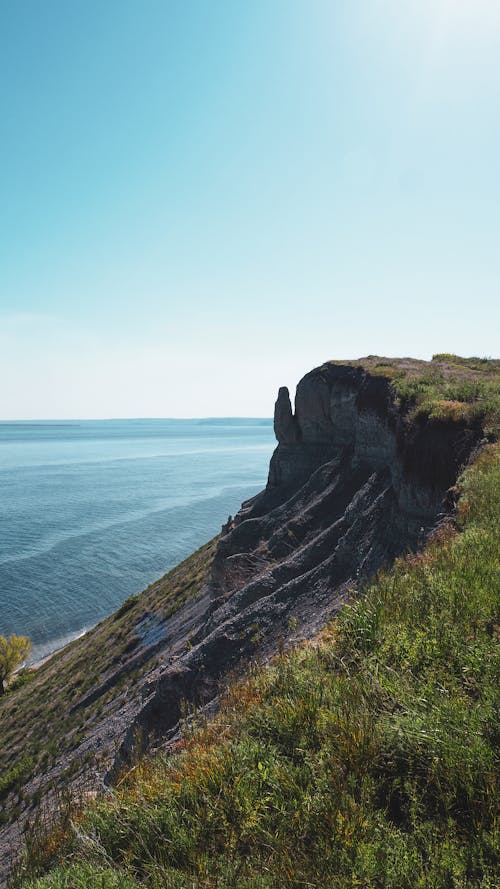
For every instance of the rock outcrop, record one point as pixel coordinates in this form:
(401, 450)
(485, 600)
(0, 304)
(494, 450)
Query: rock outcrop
(352, 484)
(286, 427)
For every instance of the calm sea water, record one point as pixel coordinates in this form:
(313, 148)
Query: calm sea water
(93, 511)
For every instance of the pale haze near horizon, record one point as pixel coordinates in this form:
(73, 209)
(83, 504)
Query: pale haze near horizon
(201, 202)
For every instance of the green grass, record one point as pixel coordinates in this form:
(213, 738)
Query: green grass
(37, 724)
(448, 388)
(82, 876)
(14, 776)
(22, 677)
(365, 759)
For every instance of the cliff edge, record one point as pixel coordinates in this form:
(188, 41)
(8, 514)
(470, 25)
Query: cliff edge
(353, 483)
(364, 469)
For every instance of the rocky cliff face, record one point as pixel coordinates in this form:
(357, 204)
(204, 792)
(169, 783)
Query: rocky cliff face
(351, 485)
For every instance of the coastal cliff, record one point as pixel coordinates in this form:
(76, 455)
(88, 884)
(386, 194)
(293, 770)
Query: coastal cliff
(364, 469)
(352, 484)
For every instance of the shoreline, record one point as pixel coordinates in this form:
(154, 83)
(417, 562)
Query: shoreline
(37, 664)
(44, 658)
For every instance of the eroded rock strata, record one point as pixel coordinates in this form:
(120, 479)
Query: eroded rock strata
(352, 484)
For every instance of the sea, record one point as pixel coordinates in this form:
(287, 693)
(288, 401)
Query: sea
(92, 511)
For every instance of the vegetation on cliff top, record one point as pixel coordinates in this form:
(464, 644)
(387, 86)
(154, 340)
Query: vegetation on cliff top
(447, 388)
(366, 759)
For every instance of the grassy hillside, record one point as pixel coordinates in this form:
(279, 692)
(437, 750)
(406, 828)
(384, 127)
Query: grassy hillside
(366, 759)
(48, 715)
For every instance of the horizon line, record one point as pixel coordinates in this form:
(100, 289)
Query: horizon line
(66, 421)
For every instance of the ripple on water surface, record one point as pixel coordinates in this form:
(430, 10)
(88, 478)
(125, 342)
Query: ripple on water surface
(92, 513)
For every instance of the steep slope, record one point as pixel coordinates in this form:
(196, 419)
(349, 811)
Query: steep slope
(352, 484)
(361, 473)
(365, 758)
(60, 729)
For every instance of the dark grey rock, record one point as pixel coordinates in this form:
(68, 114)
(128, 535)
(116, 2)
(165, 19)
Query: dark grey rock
(286, 428)
(350, 487)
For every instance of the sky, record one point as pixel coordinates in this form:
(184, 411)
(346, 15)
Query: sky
(202, 200)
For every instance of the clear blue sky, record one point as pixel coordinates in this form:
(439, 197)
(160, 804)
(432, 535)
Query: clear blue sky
(200, 201)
